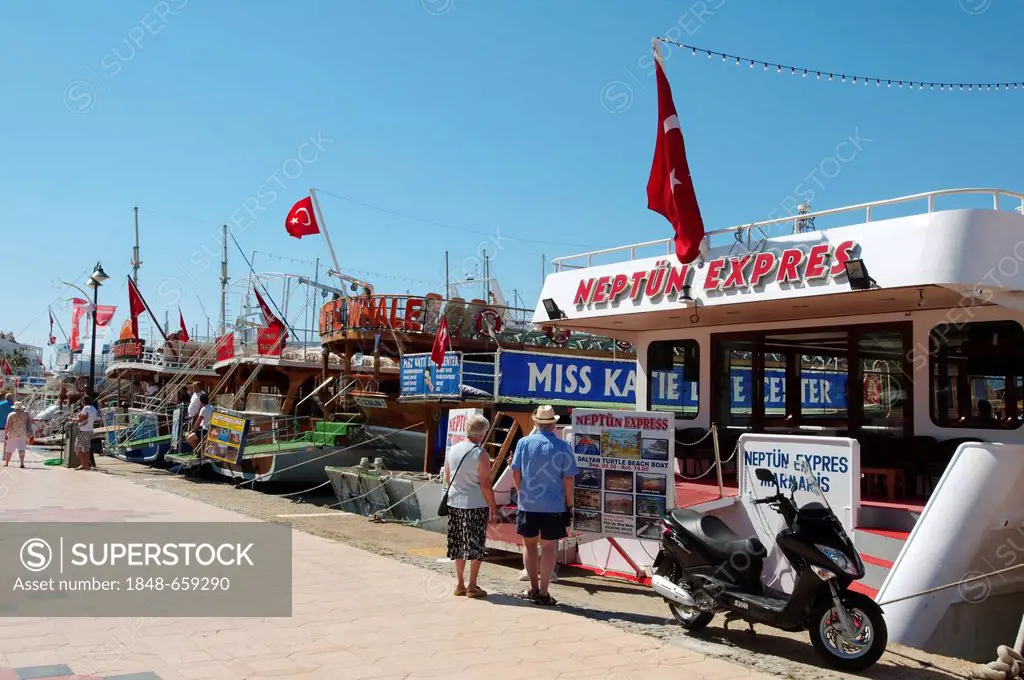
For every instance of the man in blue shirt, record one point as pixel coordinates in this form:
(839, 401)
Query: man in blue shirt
(5, 410)
(543, 469)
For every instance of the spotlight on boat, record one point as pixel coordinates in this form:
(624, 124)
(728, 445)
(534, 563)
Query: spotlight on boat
(554, 313)
(857, 275)
(686, 298)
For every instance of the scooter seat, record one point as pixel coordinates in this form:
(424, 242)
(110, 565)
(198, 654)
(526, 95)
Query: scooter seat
(715, 535)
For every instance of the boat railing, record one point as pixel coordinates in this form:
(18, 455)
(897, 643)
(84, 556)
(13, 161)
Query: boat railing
(666, 246)
(172, 355)
(306, 352)
(466, 320)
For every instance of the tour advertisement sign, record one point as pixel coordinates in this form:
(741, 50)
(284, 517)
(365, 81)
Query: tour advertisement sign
(419, 377)
(457, 419)
(225, 441)
(833, 462)
(626, 478)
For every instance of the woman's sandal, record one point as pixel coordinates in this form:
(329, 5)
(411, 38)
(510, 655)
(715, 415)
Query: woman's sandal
(475, 592)
(529, 594)
(545, 600)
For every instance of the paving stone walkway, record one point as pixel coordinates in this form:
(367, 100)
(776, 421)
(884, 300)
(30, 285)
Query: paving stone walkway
(355, 615)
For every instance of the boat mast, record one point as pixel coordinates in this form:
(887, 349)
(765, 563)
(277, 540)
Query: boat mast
(447, 288)
(487, 278)
(224, 285)
(136, 262)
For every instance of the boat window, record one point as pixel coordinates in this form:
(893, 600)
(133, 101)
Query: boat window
(674, 369)
(976, 375)
(734, 381)
(884, 380)
(816, 381)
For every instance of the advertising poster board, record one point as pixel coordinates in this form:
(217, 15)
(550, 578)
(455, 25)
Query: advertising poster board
(834, 462)
(626, 477)
(420, 378)
(176, 429)
(225, 441)
(457, 419)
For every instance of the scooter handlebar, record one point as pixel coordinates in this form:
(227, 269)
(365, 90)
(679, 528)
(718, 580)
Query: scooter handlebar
(769, 499)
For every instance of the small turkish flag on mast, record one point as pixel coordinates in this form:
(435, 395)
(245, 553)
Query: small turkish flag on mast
(670, 189)
(301, 219)
(441, 343)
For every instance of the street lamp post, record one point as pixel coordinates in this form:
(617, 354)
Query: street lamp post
(94, 282)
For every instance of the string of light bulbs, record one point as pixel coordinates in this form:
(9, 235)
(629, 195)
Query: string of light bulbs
(844, 77)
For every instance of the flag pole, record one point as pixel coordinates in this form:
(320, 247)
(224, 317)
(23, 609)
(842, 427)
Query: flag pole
(327, 237)
(145, 304)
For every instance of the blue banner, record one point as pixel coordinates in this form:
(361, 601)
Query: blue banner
(538, 377)
(420, 377)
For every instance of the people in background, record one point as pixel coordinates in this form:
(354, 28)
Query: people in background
(6, 406)
(194, 405)
(87, 419)
(17, 433)
(543, 469)
(467, 475)
(202, 422)
(985, 410)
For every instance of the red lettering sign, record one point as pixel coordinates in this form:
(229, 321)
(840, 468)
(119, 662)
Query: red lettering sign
(753, 270)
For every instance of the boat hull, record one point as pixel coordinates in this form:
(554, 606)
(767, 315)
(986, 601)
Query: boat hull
(411, 497)
(307, 466)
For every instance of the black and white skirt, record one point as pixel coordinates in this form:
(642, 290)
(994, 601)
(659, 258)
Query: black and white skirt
(467, 533)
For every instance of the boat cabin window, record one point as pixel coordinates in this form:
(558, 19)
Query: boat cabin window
(824, 381)
(674, 370)
(977, 373)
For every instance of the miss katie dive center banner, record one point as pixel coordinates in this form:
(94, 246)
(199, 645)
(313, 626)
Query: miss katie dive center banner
(535, 377)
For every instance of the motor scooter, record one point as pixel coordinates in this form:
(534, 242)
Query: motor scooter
(704, 567)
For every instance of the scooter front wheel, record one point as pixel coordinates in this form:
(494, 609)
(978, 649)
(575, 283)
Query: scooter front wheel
(854, 652)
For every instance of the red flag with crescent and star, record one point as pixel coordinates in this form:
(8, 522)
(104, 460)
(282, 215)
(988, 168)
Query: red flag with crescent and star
(184, 329)
(301, 220)
(441, 343)
(670, 189)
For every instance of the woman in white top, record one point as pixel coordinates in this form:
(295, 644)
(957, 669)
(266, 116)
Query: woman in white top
(467, 474)
(86, 425)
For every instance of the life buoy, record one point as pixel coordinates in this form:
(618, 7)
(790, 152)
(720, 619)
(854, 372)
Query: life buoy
(624, 345)
(559, 336)
(483, 317)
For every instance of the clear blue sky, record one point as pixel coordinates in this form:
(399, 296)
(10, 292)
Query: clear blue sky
(489, 115)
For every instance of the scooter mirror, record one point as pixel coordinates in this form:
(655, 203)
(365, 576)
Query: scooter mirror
(765, 475)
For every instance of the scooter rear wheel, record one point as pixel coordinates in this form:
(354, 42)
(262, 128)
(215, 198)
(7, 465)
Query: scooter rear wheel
(853, 654)
(690, 618)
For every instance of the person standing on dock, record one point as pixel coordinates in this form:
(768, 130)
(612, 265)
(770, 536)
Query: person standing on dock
(5, 410)
(86, 426)
(471, 505)
(19, 429)
(543, 470)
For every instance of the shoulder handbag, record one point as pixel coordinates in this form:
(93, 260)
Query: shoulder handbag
(442, 509)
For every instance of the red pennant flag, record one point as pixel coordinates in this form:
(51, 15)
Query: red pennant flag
(441, 343)
(301, 220)
(53, 338)
(184, 331)
(78, 310)
(7, 367)
(104, 313)
(136, 306)
(670, 189)
(274, 332)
